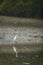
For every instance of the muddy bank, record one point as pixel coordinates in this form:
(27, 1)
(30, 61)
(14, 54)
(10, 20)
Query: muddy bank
(15, 22)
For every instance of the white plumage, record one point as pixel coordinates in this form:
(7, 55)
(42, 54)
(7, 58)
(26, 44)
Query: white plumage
(14, 48)
(16, 36)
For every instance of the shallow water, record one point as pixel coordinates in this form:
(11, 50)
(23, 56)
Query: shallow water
(25, 34)
(10, 59)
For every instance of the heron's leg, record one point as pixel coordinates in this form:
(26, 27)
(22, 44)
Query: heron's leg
(16, 54)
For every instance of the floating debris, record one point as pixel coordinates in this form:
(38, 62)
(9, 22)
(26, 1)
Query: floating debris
(33, 57)
(21, 56)
(37, 56)
(26, 63)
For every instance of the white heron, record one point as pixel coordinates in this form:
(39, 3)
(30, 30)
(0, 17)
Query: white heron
(14, 48)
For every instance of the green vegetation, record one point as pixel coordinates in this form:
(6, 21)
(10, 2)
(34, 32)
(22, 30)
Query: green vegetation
(31, 58)
(22, 8)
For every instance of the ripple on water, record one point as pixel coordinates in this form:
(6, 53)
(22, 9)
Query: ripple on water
(26, 63)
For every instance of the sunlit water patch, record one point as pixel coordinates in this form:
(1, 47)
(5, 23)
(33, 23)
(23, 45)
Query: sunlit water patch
(24, 34)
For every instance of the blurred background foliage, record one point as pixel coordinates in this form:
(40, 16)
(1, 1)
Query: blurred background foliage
(22, 8)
